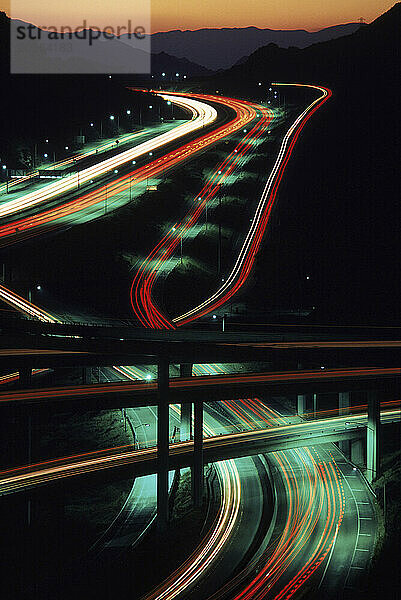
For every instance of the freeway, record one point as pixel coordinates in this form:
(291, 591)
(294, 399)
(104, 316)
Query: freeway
(71, 161)
(233, 445)
(216, 387)
(202, 114)
(144, 306)
(90, 205)
(142, 302)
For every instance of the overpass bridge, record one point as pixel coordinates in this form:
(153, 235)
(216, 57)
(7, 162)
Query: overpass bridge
(52, 345)
(128, 462)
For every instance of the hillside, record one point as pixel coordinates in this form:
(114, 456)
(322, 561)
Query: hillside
(340, 199)
(222, 48)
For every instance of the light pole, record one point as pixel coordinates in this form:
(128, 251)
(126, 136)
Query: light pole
(219, 247)
(130, 188)
(223, 322)
(6, 174)
(134, 428)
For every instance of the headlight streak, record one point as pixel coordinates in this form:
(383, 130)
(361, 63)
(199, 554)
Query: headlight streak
(315, 496)
(73, 159)
(297, 533)
(141, 290)
(25, 307)
(213, 543)
(250, 247)
(201, 113)
(75, 209)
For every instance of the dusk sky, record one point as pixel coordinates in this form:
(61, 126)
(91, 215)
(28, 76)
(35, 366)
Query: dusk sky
(186, 14)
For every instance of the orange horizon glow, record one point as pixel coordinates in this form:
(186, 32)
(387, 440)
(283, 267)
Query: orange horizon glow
(311, 15)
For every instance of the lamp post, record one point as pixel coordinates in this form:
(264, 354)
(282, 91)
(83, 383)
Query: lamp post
(130, 188)
(6, 173)
(136, 441)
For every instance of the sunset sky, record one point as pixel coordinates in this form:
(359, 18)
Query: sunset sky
(189, 14)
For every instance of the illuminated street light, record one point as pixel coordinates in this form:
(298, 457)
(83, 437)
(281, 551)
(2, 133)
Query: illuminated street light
(112, 117)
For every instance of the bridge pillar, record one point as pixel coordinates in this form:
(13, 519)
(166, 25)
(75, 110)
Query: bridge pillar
(162, 443)
(372, 436)
(197, 469)
(343, 406)
(86, 375)
(304, 403)
(357, 452)
(186, 407)
(25, 377)
(186, 422)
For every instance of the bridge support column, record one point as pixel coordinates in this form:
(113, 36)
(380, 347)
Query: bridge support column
(25, 377)
(372, 437)
(197, 469)
(86, 375)
(186, 408)
(162, 443)
(186, 422)
(357, 452)
(304, 403)
(343, 409)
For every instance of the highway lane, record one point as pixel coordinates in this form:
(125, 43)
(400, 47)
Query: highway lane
(72, 161)
(202, 114)
(86, 206)
(245, 260)
(230, 385)
(144, 306)
(315, 512)
(142, 301)
(246, 443)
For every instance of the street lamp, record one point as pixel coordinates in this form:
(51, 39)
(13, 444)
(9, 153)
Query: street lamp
(130, 186)
(6, 173)
(136, 441)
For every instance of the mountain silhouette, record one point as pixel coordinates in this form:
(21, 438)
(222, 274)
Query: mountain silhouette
(221, 48)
